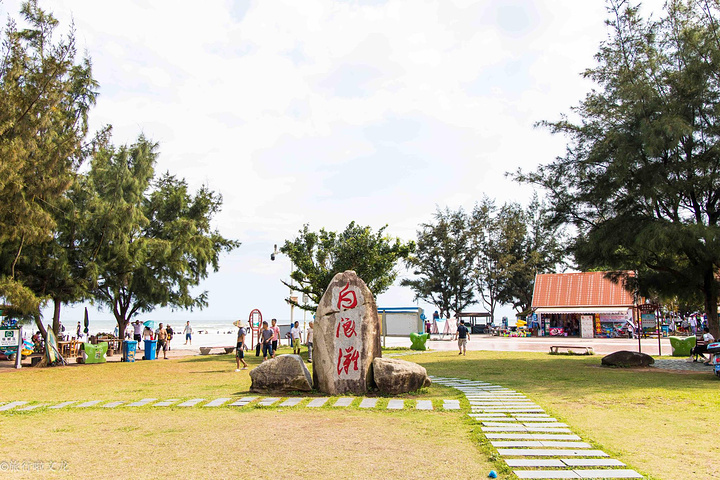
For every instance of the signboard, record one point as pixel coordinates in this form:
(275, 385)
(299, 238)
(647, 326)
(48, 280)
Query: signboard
(648, 321)
(9, 337)
(587, 329)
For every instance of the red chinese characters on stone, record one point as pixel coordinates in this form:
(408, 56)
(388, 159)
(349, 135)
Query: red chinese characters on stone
(348, 328)
(346, 360)
(347, 298)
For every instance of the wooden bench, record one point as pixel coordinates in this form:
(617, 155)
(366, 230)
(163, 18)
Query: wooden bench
(206, 350)
(570, 348)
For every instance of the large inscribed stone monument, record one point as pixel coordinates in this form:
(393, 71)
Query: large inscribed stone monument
(347, 337)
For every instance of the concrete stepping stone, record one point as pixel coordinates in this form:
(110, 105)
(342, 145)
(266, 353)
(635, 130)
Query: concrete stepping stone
(516, 444)
(166, 403)
(91, 403)
(112, 404)
(217, 402)
(489, 415)
(343, 402)
(396, 404)
(592, 462)
(538, 452)
(531, 415)
(531, 436)
(506, 428)
(424, 405)
(33, 407)
(544, 424)
(608, 473)
(548, 430)
(564, 444)
(317, 402)
(292, 401)
(63, 404)
(368, 402)
(498, 424)
(546, 474)
(266, 402)
(191, 403)
(482, 418)
(242, 401)
(141, 403)
(535, 462)
(12, 405)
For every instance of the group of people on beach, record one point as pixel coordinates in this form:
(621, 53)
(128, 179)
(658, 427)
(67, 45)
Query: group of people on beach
(269, 341)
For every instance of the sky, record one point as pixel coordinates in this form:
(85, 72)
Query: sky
(323, 112)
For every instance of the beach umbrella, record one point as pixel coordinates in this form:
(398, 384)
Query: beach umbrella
(87, 322)
(150, 324)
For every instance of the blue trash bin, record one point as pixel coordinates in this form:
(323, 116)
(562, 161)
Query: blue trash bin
(150, 346)
(129, 349)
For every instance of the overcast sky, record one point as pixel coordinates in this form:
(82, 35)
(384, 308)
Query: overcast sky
(324, 112)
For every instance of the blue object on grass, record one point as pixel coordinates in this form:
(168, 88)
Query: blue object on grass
(493, 474)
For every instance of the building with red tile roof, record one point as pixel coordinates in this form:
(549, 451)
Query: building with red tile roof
(583, 304)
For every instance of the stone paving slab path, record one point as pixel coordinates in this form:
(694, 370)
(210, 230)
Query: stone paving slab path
(266, 402)
(166, 403)
(63, 404)
(217, 402)
(191, 403)
(424, 405)
(396, 404)
(12, 405)
(292, 401)
(112, 404)
(142, 402)
(317, 402)
(33, 407)
(343, 402)
(91, 403)
(368, 402)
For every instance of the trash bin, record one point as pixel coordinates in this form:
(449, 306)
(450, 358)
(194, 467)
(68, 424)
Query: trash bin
(129, 349)
(94, 353)
(150, 346)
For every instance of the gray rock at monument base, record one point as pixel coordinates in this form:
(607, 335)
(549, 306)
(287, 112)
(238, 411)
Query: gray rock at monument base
(626, 358)
(347, 302)
(284, 373)
(395, 377)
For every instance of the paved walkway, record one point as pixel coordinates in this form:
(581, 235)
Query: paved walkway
(529, 440)
(681, 364)
(251, 402)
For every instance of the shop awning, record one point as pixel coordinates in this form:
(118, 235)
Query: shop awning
(582, 310)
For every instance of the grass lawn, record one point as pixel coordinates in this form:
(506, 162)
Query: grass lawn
(660, 423)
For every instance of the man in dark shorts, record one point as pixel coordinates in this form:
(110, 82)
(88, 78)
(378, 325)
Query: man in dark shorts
(266, 336)
(240, 349)
(463, 336)
(161, 336)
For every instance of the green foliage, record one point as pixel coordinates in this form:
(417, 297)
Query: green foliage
(45, 96)
(444, 261)
(640, 179)
(318, 256)
(148, 242)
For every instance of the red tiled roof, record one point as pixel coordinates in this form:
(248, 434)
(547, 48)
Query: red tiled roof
(590, 289)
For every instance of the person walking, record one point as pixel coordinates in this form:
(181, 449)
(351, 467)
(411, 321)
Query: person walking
(276, 336)
(266, 335)
(162, 336)
(188, 333)
(463, 337)
(240, 349)
(170, 333)
(310, 341)
(295, 336)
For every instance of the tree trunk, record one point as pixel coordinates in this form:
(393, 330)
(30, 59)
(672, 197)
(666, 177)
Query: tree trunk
(56, 316)
(39, 324)
(710, 291)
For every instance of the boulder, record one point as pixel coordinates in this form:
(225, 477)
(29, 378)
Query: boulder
(346, 337)
(395, 377)
(625, 358)
(284, 373)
